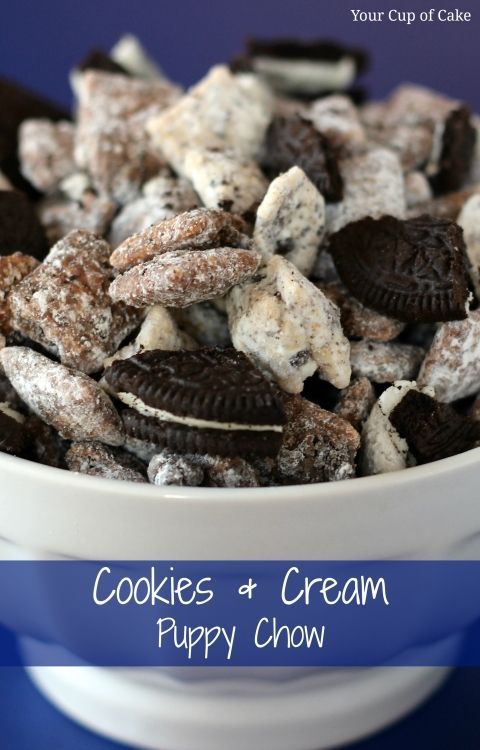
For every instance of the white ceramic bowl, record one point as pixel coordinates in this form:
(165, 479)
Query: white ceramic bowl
(429, 512)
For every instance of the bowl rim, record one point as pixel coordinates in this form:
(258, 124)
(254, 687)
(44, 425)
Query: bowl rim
(150, 493)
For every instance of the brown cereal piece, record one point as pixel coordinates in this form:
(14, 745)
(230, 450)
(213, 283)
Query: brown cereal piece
(469, 220)
(204, 323)
(318, 446)
(45, 446)
(288, 327)
(385, 362)
(199, 229)
(13, 268)
(179, 279)
(417, 189)
(46, 152)
(224, 180)
(222, 111)
(359, 321)
(373, 186)
(90, 212)
(98, 460)
(411, 104)
(64, 304)
(68, 400)
(452, 365)
(337, 119)
(413, 144)
(222, 471)
(171, 469)
(445, 206)
(290, 220)
(356, 402)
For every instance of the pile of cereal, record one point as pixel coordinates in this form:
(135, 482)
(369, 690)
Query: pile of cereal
(263, 280)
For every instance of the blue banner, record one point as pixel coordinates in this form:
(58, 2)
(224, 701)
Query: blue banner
(250, 613)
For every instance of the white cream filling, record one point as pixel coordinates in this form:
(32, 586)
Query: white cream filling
(6, 409)
(165, 416)
(307, 75)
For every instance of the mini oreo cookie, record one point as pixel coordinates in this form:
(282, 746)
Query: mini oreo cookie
(321, 50)
(458, 149)
(203, 401)
(294, 141)
(433, 430)
(414, 270)
(20, 229)
(13, 435)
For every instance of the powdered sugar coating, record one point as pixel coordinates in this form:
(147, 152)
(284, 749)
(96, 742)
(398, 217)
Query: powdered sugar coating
(97, 460)
(64, 304)
(91, 212)
(198, 229)
(179, 279)
(13, 268)
(318, 446)
(195, 470)
(68, 400)
(417, 189)
(171, 469)
(46, 152)
(204, 323)
(225, 180)
(452, 365)
(469, 220)
(337, 119)
(291, 220)
(222, 111)
(356, 402)
(385, 362)
(288, 328)
(373, 186)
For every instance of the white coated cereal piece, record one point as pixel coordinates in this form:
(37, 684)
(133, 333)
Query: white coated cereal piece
(383, 448)
(167, 469)
(130, 54)
(417, 189)
(452, 365)
(337, 119)
(373, 186)
(76, 185)
(288, 328)
(45, 150)
(306, 76)
(469, 220)
(222, 111)
(163, 198)
(204, 323)
(158, 331)
(66, 399)
(385, 362)
(59, 215)
(291, 220)
(225, 180)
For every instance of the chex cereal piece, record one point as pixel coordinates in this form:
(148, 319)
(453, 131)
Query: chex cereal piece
(64, 304)
(130, 54)
(452, 365)
(288, 327)
(46, 152)
(445, 206)
(385, 362)
(194, 470)
(178, 279)
(417, 189)
(318, 446)
(20, 229)
(158, 331)
(373, 186)
(98, 460)
(469, 220)
(68, 400)
(167, 468)
(199, 229)
(337, 118)
(224, 471)
(204, 323)
(13, 268)
(222, 111)
(383, 449)
(291, 220)
(356, 402)
(13, 435)
(224, 180)
(412, 104)
(358, 321)
(91, 212)
(413, 144)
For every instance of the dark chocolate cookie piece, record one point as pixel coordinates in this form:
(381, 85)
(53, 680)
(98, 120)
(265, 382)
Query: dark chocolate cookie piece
(184, 439)
(433, 430)
(293, 140)
(218, 385)
(12, 431)
(98, 59)
(458, 149)
(20, 229)
(44, 445)
(414, 270)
